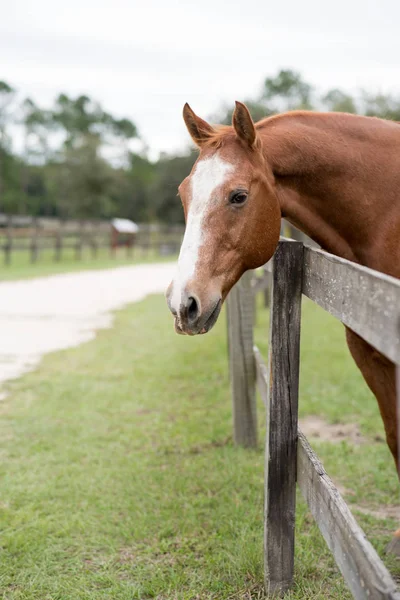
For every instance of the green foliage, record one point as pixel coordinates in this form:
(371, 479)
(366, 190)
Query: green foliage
(380, 105)
(85, 179)
(337, 101)
(124, 128)
(78, 118)
(63, 170)
(170, 172)
(38, 125)
(10, 174)
(5, 88)
(287, 88)
(7, 94)
(133, 188)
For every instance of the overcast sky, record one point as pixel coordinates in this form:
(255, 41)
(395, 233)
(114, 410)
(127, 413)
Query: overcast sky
(145, 59)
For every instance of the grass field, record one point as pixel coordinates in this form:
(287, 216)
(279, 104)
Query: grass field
(22, 268)
(119, 479)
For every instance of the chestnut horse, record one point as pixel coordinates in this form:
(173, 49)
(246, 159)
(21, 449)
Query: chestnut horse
(334, 176)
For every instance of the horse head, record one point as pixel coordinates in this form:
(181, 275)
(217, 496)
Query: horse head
(232, 218)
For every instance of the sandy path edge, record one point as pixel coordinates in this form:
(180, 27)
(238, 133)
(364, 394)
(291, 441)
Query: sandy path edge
(51, 313)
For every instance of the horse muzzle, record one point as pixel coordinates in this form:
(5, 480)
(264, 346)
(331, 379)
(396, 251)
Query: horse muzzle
(193, 317)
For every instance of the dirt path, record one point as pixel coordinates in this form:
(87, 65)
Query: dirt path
(51, 313)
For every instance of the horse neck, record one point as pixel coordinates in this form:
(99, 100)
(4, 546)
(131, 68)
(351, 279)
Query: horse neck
(329, 175)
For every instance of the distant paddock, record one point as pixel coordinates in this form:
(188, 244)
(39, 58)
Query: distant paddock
(36, 236)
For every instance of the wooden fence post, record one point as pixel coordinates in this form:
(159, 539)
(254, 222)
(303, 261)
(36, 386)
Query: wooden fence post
(282, 408)
(58, 241)
(9, 241)
(34, 239)
(240, 313)
(129, 247)
(93, 239)
(80, 240)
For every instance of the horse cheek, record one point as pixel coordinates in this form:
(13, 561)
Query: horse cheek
(263, 236)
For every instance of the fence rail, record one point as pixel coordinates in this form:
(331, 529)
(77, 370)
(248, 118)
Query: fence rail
(369, 303)
(366, 301)
(33, 235)
(364, 572)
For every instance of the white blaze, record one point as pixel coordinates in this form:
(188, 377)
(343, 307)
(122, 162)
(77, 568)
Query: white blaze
(209, 174)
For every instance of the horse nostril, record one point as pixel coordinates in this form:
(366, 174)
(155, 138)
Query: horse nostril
(193, 309)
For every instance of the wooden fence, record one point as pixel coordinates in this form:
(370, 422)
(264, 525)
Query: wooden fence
(369, 303)
(33, 235)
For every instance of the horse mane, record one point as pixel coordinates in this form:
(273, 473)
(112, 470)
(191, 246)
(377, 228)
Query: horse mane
(225, 133)
(221, 134)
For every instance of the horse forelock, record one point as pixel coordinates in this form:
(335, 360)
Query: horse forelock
(220, 135)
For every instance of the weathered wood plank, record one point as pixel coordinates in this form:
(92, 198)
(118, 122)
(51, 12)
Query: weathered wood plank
(58, 242)
(34, 240)
(261, 375)
(80, 241)
(240, 309)
(92, 238)
(281, 436)
(366, 301)
(360, 565)
(9, 241)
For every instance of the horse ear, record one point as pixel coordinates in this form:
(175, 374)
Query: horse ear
(198, 129)
(243, 124)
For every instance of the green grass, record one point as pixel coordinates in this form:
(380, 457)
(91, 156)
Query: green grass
(119, 479)
(22, 268)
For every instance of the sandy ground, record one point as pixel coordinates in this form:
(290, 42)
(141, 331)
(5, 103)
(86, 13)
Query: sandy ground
(52, 313)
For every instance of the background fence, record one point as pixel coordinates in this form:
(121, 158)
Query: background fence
(369, 303)
(34, 235)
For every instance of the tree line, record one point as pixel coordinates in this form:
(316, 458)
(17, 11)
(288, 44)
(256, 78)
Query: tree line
(64, 166)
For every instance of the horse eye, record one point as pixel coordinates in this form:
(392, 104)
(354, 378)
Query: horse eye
(238, 197)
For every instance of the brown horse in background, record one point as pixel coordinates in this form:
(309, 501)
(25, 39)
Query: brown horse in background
(334, 176)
